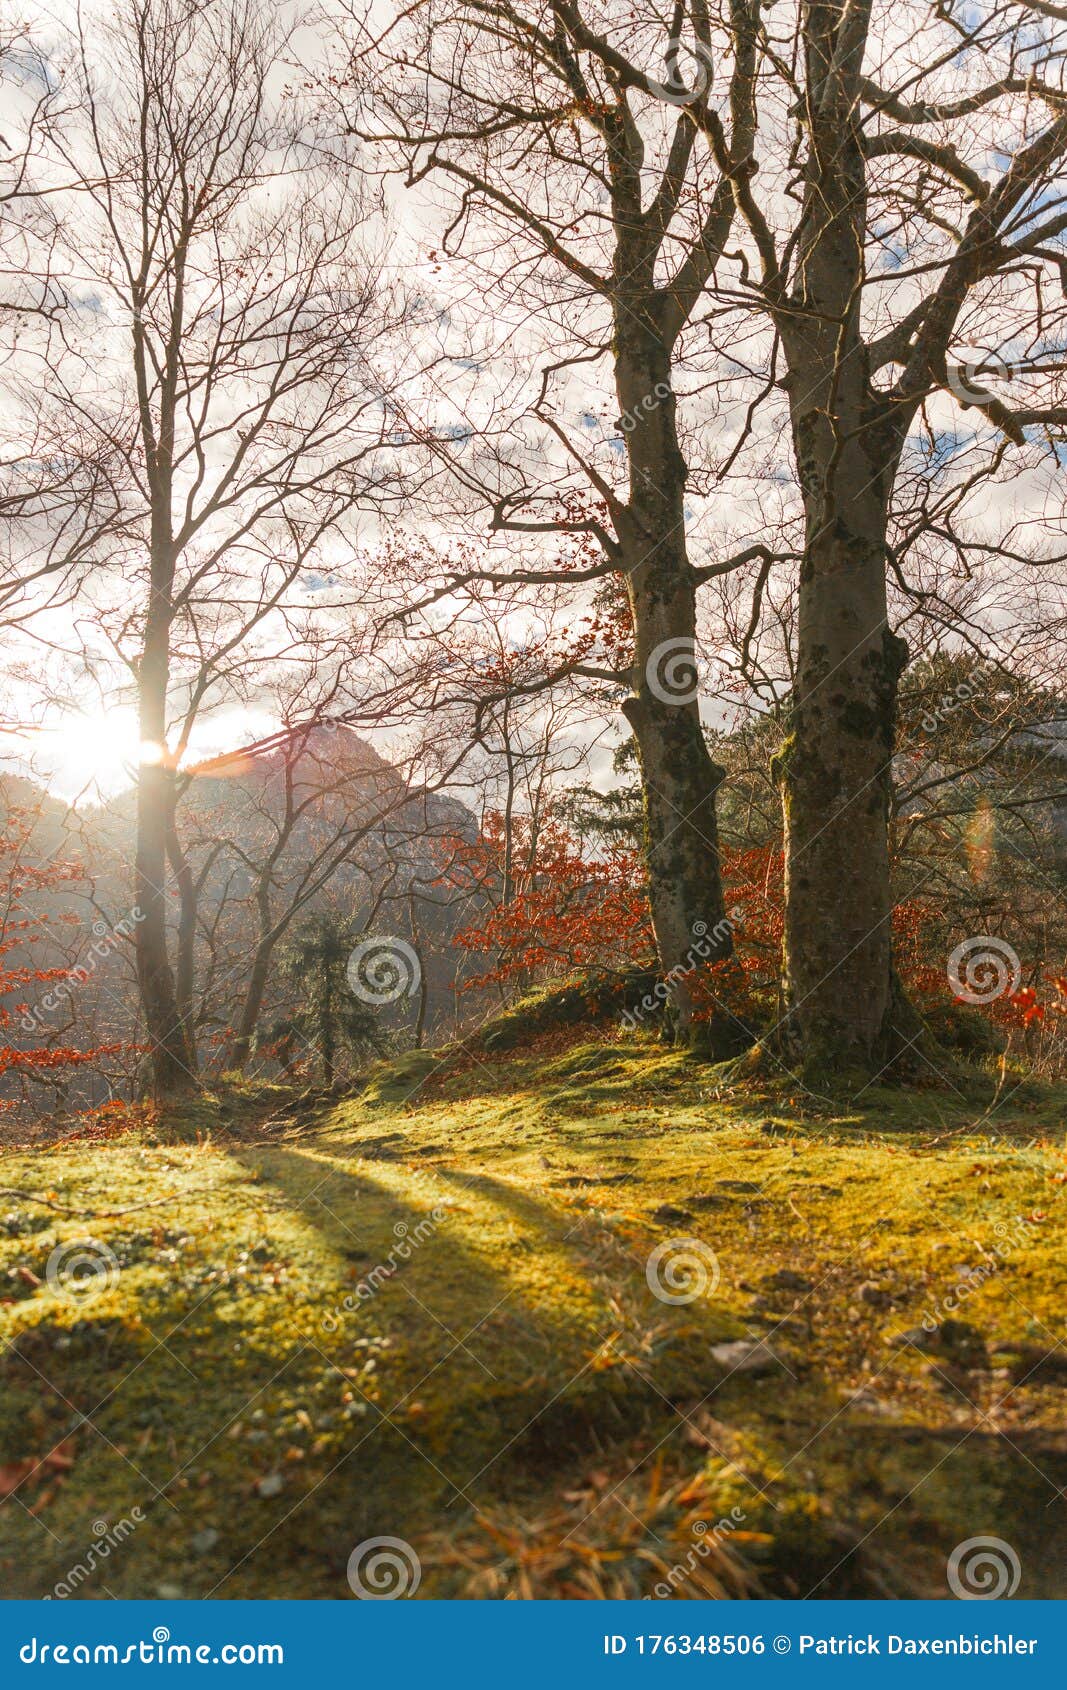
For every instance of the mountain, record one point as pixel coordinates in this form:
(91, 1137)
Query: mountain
(267, 836)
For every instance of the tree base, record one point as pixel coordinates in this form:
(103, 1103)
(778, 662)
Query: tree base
(165, 1076)
(716, 1040)
(907, 1054)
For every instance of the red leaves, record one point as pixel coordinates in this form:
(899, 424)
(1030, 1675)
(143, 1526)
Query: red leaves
(20, 879)
(111, 1120)
(1025, 1001)
(58, 1056)
(34, 1470)
(566, 912)
(569, 912)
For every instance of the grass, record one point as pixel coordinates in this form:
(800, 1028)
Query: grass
(424, 1313)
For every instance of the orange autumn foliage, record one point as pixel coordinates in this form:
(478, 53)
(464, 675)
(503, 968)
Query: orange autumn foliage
(572, 911)
(21, 928)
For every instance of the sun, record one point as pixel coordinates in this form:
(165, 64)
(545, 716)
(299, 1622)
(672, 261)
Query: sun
(88, 755)
(91, 753)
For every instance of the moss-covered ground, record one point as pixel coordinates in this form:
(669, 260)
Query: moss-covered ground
(425, 1312)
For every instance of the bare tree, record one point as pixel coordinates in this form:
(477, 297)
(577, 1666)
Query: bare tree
(879, 247)
(322, 810)
(582, 196)
(223, 314)
(50, 506)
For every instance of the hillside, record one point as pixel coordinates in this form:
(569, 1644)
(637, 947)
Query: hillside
(303, 823)
(873, 1373)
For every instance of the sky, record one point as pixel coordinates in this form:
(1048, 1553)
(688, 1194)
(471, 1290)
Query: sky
(87, 756)
(93, 748)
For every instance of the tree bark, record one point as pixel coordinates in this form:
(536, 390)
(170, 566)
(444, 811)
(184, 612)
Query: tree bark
(170, 1058)
(836, 775)
(188, 899)
(680, 781)
(248, 1021)
(845, 1010)
(327, 1031)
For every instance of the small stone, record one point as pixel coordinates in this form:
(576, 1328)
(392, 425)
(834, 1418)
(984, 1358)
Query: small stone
(916, 1338)
(865, 1399)
(747, 1355)
(786, 1280)
(202, 1543)
(874, 1295)
(270, 1485)
(169, 1592)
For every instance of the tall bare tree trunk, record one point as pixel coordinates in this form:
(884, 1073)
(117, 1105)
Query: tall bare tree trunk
(255, 992)
(836, 774)
(680, 781)
(170, 1057)
(845, 1010)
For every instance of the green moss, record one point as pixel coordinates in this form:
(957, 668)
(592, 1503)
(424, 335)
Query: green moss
(400, 1077)
(424, 1312)
(582, 1001)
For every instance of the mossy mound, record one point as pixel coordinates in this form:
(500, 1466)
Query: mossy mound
(589, 1000)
